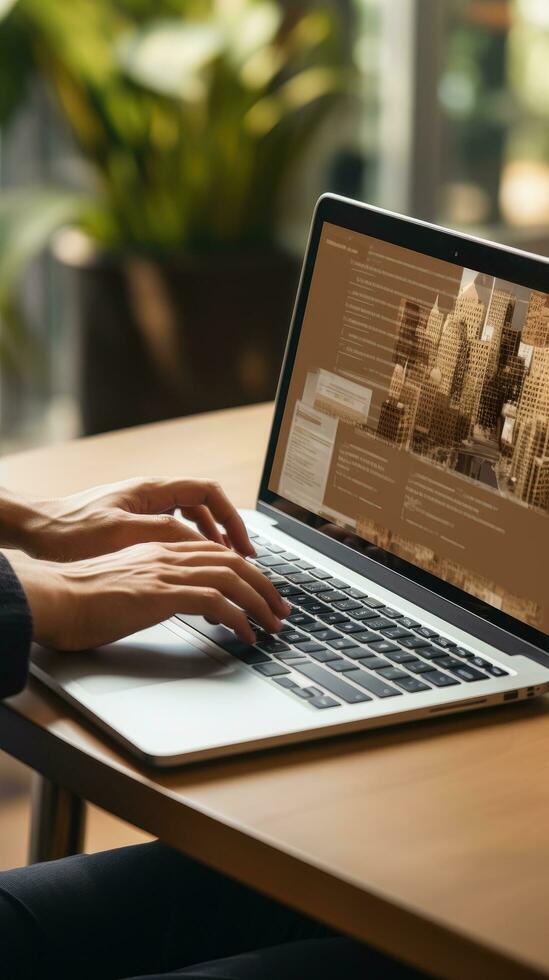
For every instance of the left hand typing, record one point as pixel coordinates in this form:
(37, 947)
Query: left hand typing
(108, 518)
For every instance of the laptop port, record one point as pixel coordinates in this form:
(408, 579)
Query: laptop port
(510, 696)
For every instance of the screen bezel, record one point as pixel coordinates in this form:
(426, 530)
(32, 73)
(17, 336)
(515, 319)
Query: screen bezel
(396, 574)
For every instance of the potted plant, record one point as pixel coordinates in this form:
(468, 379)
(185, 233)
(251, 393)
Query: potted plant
(191, 116)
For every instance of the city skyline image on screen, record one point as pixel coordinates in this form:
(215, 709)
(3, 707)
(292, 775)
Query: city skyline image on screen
(418, 416)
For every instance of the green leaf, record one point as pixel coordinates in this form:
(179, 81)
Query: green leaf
(16, 61)
(6, 6)
(168, 57)
(28, 219)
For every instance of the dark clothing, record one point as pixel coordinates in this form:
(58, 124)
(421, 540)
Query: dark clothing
(147, 910)
(15, 632)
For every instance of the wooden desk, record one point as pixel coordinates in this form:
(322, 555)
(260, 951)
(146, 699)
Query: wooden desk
(430, 841)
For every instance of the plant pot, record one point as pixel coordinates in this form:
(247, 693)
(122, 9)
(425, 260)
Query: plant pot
(183, 335)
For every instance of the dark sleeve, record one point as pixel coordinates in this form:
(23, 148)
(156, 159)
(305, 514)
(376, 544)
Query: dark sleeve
(15, 632)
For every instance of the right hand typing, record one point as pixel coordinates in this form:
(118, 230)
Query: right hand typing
(87, 603)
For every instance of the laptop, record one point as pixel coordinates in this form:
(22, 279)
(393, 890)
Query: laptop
(403, 511)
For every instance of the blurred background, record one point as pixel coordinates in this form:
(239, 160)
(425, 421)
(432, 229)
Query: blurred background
(159, 163)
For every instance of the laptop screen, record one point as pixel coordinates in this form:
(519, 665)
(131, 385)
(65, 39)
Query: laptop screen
(417, 417)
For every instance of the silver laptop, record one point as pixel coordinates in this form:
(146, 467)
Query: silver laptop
(403, 511)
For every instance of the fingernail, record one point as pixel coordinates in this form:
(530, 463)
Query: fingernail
(279, 624)
(286, 606)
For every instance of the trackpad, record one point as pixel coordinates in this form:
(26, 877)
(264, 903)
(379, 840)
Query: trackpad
(153, 656)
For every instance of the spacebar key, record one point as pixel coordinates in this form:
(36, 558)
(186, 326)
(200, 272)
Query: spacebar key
(331, 683)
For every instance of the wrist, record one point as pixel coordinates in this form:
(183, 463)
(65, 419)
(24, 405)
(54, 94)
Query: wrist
(18, 517)
(44, 588)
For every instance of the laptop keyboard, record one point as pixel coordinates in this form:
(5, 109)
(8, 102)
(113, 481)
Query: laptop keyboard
(342, 646)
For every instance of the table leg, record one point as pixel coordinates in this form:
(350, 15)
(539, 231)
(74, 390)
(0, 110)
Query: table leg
(58, 821)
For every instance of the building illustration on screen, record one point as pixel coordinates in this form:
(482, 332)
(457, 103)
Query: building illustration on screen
(470, 388)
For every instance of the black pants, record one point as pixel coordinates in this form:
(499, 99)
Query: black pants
(147, 910)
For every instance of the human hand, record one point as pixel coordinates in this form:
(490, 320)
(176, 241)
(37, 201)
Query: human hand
(107, 518)
(87, 603)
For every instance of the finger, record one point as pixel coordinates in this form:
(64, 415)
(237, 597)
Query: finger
(205, 523)
(210, 603)
(164, 495)
(232, 587)
(161, 527)
(244, 569)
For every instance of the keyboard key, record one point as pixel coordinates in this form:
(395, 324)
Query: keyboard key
(439, 679)
(374, 604)
(356, 593)
(432, 653)
(272, 646)
(412, 685)
(341, 665)
(373, 684)
(389, 611)
(419, 666)
(396, 633)
(288, 590)
(341, 642)
(324, 656)
(479, 662)
(287, 569)
(467, 673)
(390, 673)
(302, 692)
(350, 627)
(323, 633)
(321, 573)
(356, 652)
(313, 606)
(291, 636)
(365, 636)
(315, 587)
(271, 561)
(286, 682)
(449, 663)
(300, 619)
(332, 618)
(300, 599)
(275, 548)
(324, 702)
(444, 642)
(382, 646)
(288, 556)
(409, 624)
(251, 656)
(333, 683)
(333, 596)
(347, 604)
(413, 642)
(336, 583)
(462, 652)
(364, 614)
(427, 632)
(378, 624)
(314, 691)
(309, 646)
(270, 670)
(376, 663)
(304, 564)
(301, 578)
(400, 657)
(496, 671)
